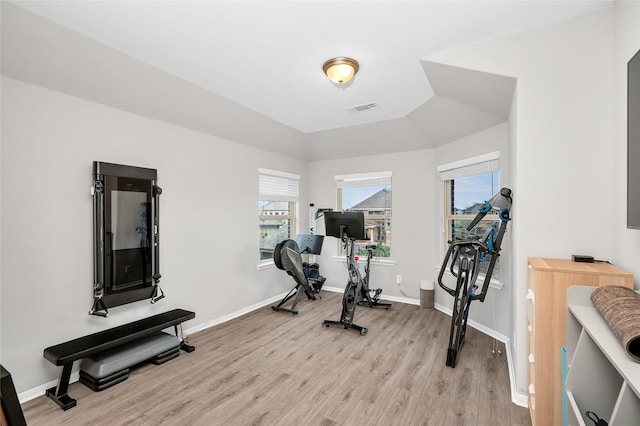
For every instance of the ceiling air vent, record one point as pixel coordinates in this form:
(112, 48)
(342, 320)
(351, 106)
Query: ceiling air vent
(363, 108)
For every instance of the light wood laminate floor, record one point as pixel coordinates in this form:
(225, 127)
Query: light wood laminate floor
(273, 368)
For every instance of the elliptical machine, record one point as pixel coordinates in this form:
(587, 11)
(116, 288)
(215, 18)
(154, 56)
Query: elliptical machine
(465, 259)
(349, 227)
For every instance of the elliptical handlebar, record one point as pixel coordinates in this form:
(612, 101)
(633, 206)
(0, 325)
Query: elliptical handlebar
(475, 251)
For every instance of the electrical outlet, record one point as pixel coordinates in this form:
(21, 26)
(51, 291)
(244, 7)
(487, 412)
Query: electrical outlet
(399, 279)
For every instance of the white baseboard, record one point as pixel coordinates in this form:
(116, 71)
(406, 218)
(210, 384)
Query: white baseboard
(232, 315)
(516, 398)
(30, 394)
(407, 300)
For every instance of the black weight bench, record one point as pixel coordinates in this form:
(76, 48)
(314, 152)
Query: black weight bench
(66, 353)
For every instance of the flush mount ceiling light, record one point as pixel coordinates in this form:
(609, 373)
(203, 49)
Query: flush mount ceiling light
(340, 70)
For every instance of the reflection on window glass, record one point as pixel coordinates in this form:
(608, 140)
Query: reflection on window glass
(375, 202)
(276, 219)
(468, 195)
(465, 198)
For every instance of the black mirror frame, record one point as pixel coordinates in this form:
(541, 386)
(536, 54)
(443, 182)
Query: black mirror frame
(103, 299)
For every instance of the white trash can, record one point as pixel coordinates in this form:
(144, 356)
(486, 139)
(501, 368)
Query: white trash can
(427, 290)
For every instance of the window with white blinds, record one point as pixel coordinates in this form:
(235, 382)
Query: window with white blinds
(362, 180)
(467, 184)
(278, 186)
(470, 167)
(277, 206)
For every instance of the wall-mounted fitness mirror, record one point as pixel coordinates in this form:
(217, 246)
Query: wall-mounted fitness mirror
(126, 236)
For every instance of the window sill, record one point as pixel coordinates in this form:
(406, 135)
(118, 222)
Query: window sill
(381, 262)
(493, 284)
(266, 265)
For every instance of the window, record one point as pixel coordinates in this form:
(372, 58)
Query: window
(277, 206)
(370, 193)
(467, 185)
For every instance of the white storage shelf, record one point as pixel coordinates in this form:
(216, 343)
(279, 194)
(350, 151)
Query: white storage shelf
(601, 378)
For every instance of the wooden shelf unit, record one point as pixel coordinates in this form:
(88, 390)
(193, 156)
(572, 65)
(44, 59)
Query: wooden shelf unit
(602, 377)
(548, 281)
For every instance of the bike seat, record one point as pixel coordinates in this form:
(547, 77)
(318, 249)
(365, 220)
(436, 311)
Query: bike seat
(371, 246)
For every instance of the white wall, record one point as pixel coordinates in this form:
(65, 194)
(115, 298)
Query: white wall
(413, 225)
(495, 313)
(563, 143)
(417, 226)
(209, 232)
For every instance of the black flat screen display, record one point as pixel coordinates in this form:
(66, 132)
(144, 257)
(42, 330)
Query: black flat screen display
(309, 243)
(633, 143)
(351, 223)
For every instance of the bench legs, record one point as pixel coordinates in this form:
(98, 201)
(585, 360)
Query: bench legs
(59, 393)
(183, 344)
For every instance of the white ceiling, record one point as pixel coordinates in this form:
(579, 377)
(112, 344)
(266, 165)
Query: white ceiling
(267, 56)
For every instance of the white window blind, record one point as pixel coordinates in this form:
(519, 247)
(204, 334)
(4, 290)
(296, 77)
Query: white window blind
(470, 167)
(278, 186)
(361, 180)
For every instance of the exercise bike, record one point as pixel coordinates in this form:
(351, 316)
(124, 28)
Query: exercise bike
(465, 259)
(349, 227)
(366, 298)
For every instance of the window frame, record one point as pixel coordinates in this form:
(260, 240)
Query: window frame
(276, 186)
(448, 173)
(365, 180)
(450, 216)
